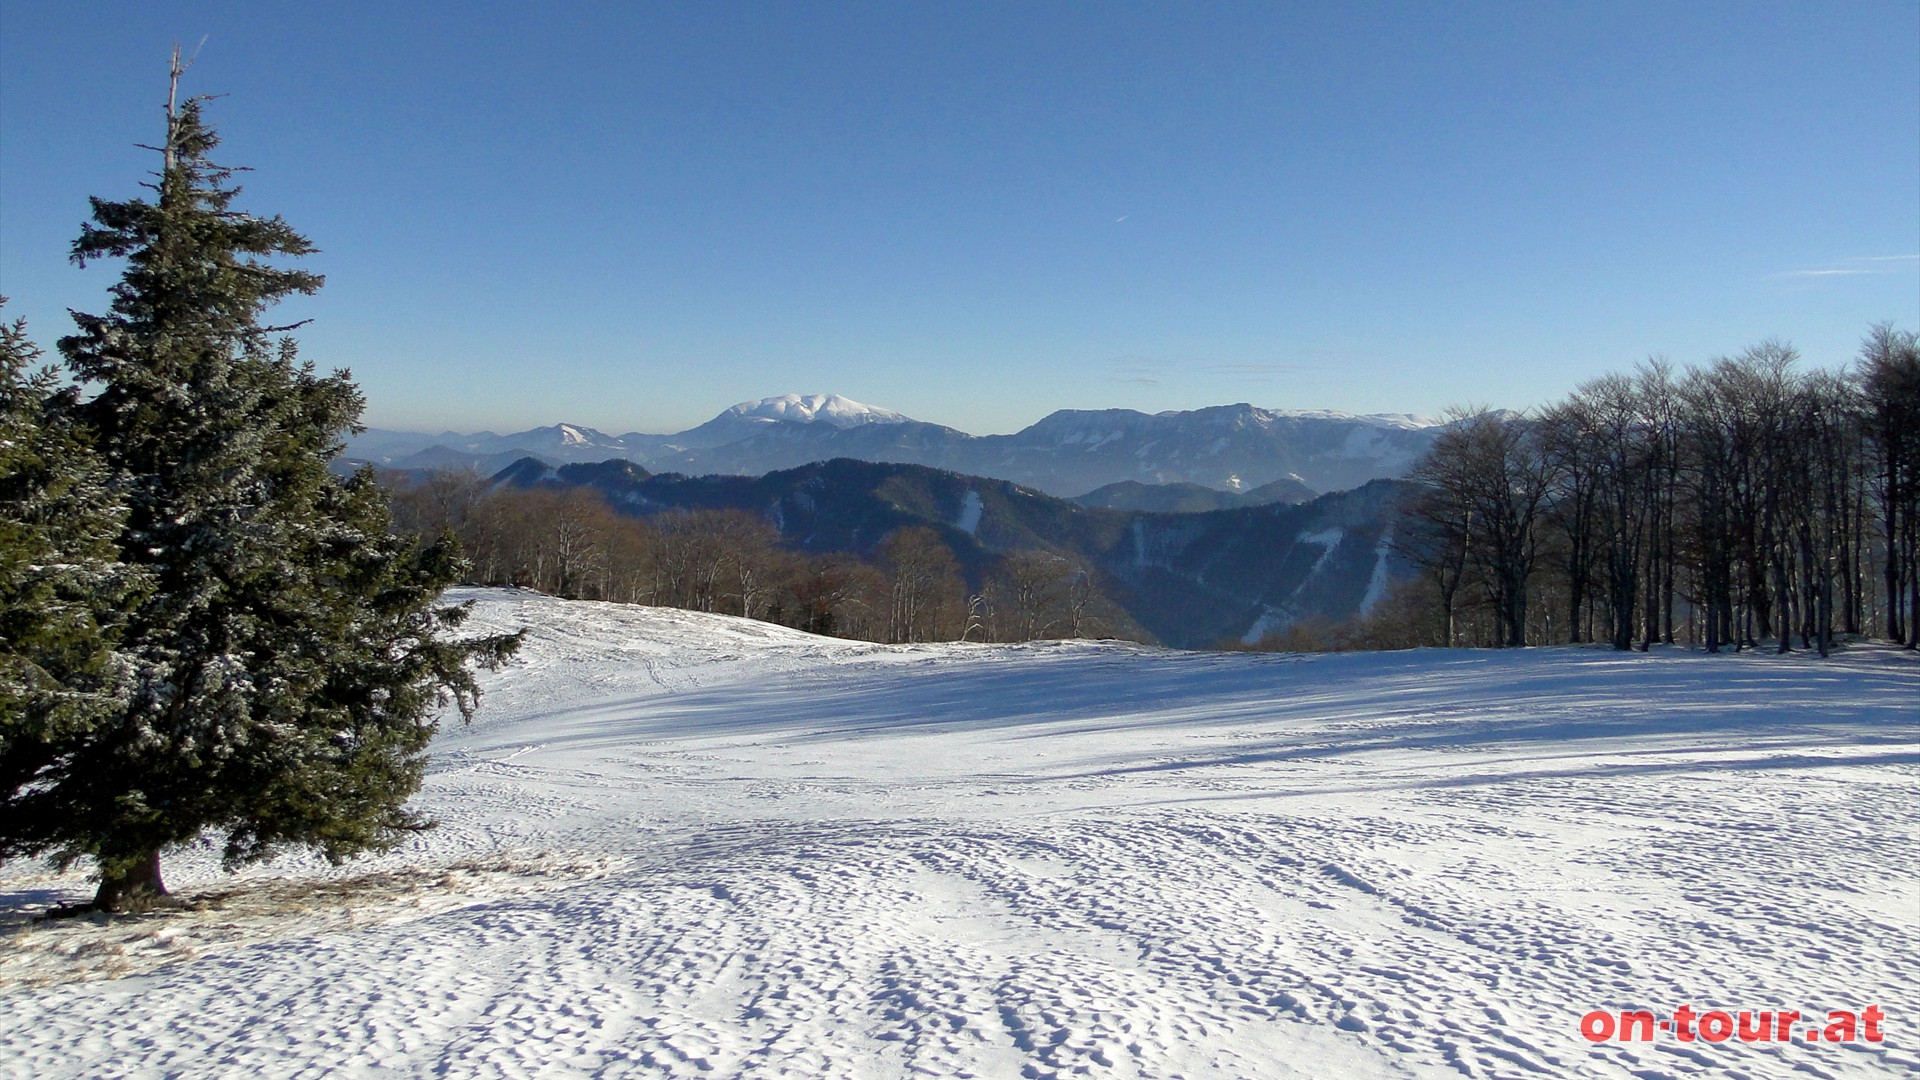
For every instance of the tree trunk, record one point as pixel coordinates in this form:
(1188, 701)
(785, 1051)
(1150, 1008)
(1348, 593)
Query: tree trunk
(132, 884)
(1895, 628)
(1913, 599)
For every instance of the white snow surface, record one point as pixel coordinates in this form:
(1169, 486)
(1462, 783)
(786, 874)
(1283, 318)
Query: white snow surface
(678, 845)
(829, 409)
(1405, 421)
(970, 510)
(1378, 581)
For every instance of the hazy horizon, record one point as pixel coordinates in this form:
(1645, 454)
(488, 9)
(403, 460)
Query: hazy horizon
(619, 429)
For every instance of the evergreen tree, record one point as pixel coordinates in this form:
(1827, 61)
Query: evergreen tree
(284, 668)
(61, 586)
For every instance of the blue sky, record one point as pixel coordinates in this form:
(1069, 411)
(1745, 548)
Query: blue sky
(634, 215)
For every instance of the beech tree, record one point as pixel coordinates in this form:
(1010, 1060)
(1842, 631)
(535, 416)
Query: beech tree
(1744, 502)
(1890, 381)
(926, 585)
(284, 665)
(1437, 534)
(1488, 478)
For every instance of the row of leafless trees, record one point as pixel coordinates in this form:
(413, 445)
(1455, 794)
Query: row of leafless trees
(570, 542)
(1741, 503)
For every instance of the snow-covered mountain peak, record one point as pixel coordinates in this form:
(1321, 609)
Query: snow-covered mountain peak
(831, 409)
(555, 437)
(1404, 421)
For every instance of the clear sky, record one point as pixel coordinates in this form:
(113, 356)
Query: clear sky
(634, 215)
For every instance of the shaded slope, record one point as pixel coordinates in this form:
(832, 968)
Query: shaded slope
(1188, 579)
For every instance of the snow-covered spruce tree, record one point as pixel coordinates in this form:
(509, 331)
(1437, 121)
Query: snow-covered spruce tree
(62, 586)
(287, 661)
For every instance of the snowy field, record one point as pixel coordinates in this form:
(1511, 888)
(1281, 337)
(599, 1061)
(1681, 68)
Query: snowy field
(677, 845)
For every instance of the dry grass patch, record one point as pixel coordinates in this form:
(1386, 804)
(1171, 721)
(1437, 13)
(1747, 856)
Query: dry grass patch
(40, 951)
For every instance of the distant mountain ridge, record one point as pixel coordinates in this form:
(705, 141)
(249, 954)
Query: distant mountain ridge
(1185, 498)
(1070, 453)
(1189, 579)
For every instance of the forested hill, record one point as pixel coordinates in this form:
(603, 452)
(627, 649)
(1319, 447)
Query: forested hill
(1188, 579)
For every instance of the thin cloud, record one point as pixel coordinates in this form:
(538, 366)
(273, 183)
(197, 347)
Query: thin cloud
(1134, 369)
(1251, 369)
(1858, 267)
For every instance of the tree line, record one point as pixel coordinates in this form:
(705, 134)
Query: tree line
(571, 542)
(1743, 503)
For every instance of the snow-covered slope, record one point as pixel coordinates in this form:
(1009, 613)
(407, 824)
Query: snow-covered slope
(790, 414)
(815, 408)
(680, 845)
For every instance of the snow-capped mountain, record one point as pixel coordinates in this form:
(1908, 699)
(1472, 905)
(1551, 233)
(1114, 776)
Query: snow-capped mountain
(1235, 448)
(571, 439)
(1230, 448)
(830, 412)
(571, 443)
(830, 409)
(489, 452)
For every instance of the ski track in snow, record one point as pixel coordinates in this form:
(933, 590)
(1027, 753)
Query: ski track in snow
(686, 845)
